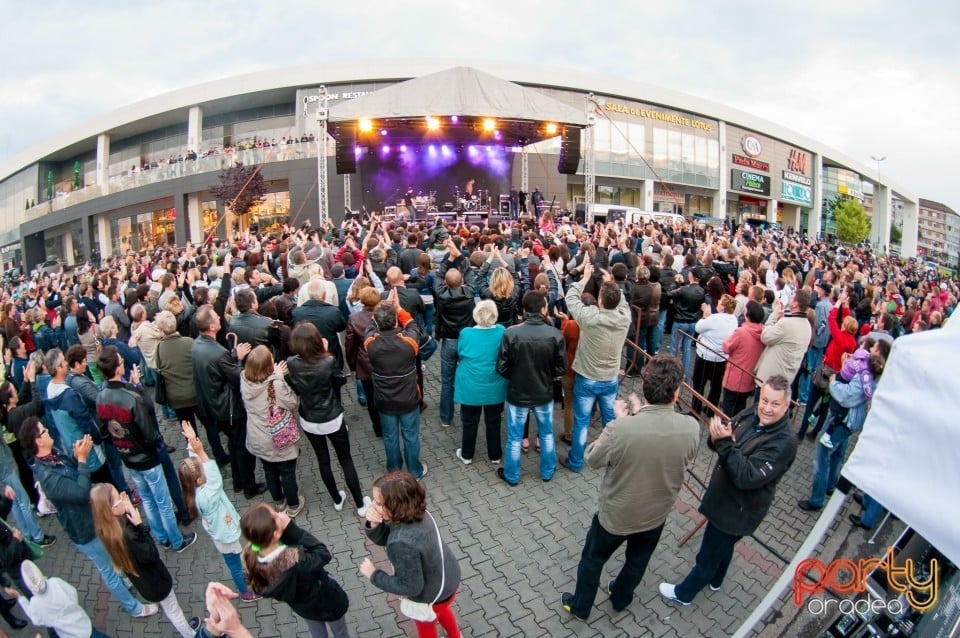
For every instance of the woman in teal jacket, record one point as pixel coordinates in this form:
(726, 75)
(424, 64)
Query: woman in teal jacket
(477, 386)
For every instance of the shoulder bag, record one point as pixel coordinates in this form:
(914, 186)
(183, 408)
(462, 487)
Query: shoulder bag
(423, 612)
(281, 424)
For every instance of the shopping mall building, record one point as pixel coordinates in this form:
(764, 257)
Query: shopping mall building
(142, 175)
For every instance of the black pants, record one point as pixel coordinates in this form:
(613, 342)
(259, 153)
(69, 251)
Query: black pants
(341, 447)
(815, 404)
(597, 550)
(242, 463)
(707, 372)
(213, 432)
(470, 419)
(372, 407)
(281, 479)
(26, 474)
(713, 560)
(734, 402)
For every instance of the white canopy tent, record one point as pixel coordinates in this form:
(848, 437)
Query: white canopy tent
(906, 456)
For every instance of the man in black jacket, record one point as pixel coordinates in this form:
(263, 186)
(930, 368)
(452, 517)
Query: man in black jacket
(454, 290)
(391, 342)
(667, 283)
(686, 313)
(251, 327)
(532, 354)
(128, 419)
(754, 451)
(216, 375)
(325, 316)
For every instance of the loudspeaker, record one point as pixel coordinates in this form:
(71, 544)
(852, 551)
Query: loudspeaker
(505, 207)
(580, 215)
(569, 159)
(346, 155)
(493, 219)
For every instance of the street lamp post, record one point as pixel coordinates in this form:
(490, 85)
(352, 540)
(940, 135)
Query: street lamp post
(876, 189)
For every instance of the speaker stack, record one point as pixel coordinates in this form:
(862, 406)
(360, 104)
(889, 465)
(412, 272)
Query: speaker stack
(569, 160)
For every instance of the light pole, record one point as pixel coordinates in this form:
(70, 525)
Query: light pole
(876, 189)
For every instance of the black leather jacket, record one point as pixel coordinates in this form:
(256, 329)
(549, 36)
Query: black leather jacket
(454, 307)
(532, 355)
(216, 375)
(318, 386)
(256, 330)
(686, 303)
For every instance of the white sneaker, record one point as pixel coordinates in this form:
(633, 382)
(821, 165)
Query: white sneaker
(825, 441)
(460, 456)
(424, 473)
(343, 499)
(147, 611)
(362, 511)
(444, 425)
(669, 592)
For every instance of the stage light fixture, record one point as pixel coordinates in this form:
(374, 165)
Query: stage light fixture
(496, 134)
(433, 124)
(433, 149)
(365, 126)
(454, 119)
(383, 131)
(403, 148)
(489, 124)
(551, 129)
(386, 148)
(357, 150)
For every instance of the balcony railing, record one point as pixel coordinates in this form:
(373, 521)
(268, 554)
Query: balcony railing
(175, 170)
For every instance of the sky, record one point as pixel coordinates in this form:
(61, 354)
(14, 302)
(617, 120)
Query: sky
(867, 77)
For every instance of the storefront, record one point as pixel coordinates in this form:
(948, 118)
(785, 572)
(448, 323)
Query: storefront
(143, 231)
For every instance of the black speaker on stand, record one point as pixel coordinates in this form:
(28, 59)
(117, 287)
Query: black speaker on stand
(580, 214)
(569, 160)
(346, 153)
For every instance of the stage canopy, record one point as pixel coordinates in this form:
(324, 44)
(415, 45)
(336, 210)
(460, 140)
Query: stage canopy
(462, 100)
(906, 457)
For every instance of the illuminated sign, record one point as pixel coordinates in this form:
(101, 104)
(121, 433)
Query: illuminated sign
(799, 179)
(751, 145)
(796, 193)
(653, 114)
(749, 182)
(797, 161)
(749, 162)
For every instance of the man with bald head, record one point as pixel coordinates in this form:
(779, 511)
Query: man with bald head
(409, 298)
(454, 291)
(325, 316)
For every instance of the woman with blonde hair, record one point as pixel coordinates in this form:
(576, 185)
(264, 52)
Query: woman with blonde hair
(131, 549)
(503, 291)
(477, 387)
(273, 430)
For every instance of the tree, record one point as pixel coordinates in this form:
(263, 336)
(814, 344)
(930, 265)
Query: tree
(241, 187)
(851, 220)
(896, 235)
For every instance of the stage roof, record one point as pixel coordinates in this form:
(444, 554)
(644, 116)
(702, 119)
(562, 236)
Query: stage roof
(464, 92)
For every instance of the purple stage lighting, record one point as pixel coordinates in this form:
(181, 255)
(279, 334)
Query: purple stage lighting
(403, 148)
(433, 149)
(454, 119)
(383, 131)
(357, 150)
(496, 134)
(386, 148)
(445, 149)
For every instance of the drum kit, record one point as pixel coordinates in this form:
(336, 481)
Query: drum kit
(462, 202)
(478, 201)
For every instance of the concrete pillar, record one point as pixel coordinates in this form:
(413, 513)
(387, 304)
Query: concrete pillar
(772, 210)
(791, 217)
(646, 195)
(195, 128)
(103, 163)
(87, 239)
(194, 219)
(103, 234)
(66, 241)
(880, 225)
(813, 219)
(911, 229)
(719, 207)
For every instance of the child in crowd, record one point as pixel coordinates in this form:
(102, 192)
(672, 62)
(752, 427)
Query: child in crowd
(202, 486)
(54, 604)
(857, 364)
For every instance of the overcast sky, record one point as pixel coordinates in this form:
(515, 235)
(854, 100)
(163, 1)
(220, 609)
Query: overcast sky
(868, 77)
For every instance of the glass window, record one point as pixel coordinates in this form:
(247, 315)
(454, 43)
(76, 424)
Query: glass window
(601, 139)
(659, 148)
(120, 235)
(674, 152)
(272, 212)
(145, 231)
(689, 154)
(209, 217)
(619, 142)
(636, 134)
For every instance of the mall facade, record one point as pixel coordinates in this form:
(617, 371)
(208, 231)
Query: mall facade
(142, 176)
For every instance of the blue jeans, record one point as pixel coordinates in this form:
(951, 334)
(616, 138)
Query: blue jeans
(406, 426)
(827, 463)
(814, 357)
(116, 467)
(361, 395)
(648, 341)
(22, 509)
(428, 319)
(683, 346)
(516, 417)
(658, 334)
(713, 560)
(872, 511)
(157, 505)
(235, 565)
(96, 552)
(448, 370)
(586, 392)
(597, 550)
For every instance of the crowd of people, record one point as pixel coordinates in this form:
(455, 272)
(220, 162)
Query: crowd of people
(252, 340)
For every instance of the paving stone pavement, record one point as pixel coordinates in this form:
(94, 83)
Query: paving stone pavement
(518, 548)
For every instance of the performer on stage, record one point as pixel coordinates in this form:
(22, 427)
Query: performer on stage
(514, 202)
(408, 202)
(468, 189)
(536, 198)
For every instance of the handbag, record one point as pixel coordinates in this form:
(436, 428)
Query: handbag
(281, 425)
(160, 387)
(821, 378)
(423, 612)
(31, 550)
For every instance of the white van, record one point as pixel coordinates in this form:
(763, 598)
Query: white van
(628, 214)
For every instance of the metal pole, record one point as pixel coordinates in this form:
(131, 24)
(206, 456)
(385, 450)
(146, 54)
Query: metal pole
(524, 169)
(322, 192)
(346, 192)
(590, 158)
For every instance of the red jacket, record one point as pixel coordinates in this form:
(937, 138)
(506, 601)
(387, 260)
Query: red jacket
(841, 341)
(743, 348)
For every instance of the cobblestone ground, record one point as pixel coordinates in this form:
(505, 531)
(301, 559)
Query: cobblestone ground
(518, 548)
